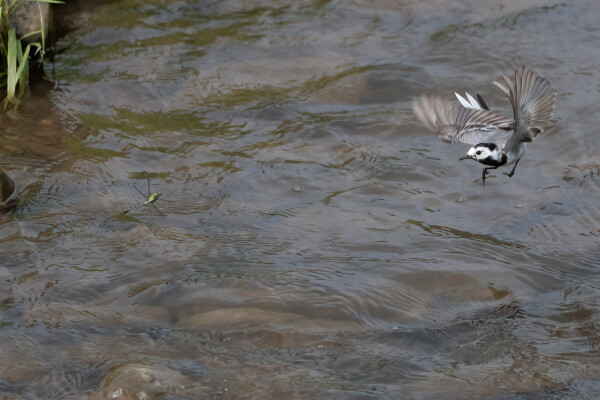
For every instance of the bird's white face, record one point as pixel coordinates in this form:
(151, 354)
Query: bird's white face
(481, 152)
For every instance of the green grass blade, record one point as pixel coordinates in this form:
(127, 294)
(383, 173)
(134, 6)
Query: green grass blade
(11, 58)
(23, 71)
(30, 34)
(14, 60)
(42, 29)
(13, 5)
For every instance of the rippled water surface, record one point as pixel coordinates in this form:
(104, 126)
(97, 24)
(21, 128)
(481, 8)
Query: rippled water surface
(312, 240)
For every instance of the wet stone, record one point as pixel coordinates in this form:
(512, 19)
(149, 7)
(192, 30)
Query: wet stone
(7, 187)
(28, 17)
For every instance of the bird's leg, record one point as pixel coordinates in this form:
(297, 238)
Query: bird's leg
(513, 170)
(485, 172)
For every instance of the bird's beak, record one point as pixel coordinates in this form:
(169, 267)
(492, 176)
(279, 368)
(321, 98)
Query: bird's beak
(464, 158)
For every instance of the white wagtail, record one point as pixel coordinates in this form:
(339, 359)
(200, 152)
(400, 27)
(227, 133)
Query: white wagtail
(496, 140)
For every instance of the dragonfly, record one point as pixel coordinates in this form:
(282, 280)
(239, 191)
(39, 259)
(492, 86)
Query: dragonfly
(151, 199)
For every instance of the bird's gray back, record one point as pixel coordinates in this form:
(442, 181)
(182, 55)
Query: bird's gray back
(485, 134)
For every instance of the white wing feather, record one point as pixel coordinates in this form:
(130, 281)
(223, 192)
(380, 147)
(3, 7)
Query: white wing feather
(471, 103)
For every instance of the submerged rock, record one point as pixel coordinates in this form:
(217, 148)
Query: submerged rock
(139, 381)
(235, 318)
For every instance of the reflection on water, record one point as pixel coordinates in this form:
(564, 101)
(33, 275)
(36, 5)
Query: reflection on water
(311, 240)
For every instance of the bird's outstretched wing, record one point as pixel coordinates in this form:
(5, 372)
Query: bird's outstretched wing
(454, 123)
(532, 98)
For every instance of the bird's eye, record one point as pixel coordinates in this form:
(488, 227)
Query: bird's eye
(478, 152)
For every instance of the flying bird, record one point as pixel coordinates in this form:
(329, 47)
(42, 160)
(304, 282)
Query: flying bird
(496, 140)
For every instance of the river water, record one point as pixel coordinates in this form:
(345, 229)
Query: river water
(312, 240)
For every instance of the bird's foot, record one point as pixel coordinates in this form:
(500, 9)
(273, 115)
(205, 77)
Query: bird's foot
(512, 172)
(484, 173)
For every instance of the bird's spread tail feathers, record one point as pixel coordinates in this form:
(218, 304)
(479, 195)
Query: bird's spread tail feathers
(532, 98)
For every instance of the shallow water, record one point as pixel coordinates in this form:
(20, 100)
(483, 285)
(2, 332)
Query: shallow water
(312, 240)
